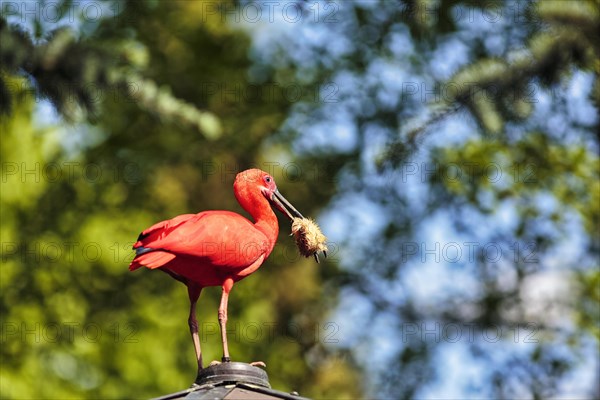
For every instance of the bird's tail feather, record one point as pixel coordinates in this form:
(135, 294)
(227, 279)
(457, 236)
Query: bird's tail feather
(150, 258)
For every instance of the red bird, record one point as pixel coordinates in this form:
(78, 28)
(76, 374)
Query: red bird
(216, 248)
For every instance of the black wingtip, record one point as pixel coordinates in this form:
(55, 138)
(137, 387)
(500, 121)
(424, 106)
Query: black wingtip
(142, 250)
(142, 236)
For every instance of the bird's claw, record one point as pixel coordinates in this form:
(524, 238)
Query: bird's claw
(254, 363)
(316, 255)
(258, 364)
(223, 360)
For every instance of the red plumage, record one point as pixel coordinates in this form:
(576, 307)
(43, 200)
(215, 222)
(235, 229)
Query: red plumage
(216, 248)
(205, 248)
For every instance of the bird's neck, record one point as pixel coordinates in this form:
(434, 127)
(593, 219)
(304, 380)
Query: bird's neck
(263, 215)
(267, 223)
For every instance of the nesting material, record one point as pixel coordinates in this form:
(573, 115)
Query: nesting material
(309, 237)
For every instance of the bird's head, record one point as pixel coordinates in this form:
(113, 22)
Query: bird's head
(252, 185)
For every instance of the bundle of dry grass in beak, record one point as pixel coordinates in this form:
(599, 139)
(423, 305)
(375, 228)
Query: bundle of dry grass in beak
(309, 237)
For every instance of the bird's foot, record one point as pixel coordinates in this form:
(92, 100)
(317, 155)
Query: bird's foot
(254, 363)
(258, 364)
(223, 360)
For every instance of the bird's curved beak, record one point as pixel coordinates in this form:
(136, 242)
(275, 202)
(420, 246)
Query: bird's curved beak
(285, 206)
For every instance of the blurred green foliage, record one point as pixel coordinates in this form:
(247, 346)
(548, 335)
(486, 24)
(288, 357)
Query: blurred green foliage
(75, 322)
(533, 166)
(569, 39)
(161, 121)
(73, 73)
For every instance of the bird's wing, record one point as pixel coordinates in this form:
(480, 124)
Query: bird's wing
(218, 238)
(146, 254)
(161, 229)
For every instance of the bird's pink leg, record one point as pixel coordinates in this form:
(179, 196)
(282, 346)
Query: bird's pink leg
(194, 293)
(227, 285)
(223, 323)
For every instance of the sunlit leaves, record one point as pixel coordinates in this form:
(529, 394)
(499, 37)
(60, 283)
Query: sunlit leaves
(75, 197)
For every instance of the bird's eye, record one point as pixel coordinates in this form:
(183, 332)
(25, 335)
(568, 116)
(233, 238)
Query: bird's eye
(268, 179)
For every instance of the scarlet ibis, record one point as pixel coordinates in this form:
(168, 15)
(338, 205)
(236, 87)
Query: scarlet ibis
(216, 248)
